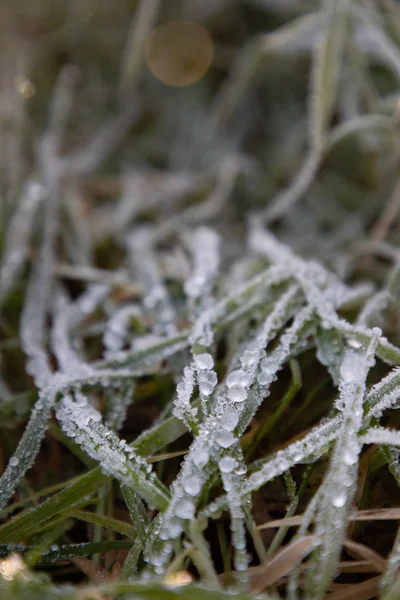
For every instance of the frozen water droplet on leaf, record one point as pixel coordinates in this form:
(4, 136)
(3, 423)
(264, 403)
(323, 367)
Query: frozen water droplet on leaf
(249, 358)
(225, 438)
(201, 458)
(207, 381)
(184, 509)
(229, 419)
(339, 500)
(192, 485)
(204, 362)
(349, 457)
(241, 469)
(174, 530)
(355, 344)
(237, 393)
(95, 416)
(237, 378)
(227, 464)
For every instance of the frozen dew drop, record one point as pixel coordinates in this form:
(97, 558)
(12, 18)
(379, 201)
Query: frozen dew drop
(14, 461)
(204, 362)
(229, 419)
(174, 529)
(95, 416)
(225, 438)
(266, 378)
(355, 344)
(83, 418)
(249, 358)
(241, 469)
(206, 388)
(200, 458)
(184, 509)
(339, 500)
(349, 457)
(352, 368)
(237, 393)
(207, 382)
(339, 403)
(192, 485)
(227, 464)
(237, 378)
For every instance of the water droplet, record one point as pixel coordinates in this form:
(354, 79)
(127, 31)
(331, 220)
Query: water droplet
(225, 438)
(249, 358)
(349, 457)
(203, 362)
(339, 500)
(229, 419)
(14, 461)
(237, 393)
(227, 464)
(355, 344)
(201, 457)
(241, 469)
(192, 485)
(207, 382)
(184, 509)
(237, 378)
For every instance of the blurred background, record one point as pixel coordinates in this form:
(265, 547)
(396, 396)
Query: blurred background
(188, 112)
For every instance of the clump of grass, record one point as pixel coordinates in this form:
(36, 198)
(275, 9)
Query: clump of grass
(204, 348)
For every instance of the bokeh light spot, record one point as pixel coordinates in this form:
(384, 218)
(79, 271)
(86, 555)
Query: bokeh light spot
(179, 53)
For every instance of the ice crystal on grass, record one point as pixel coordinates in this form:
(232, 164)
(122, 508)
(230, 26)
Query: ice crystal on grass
(340, 481)
(83, 423)
(184, 390)
(303, 297)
